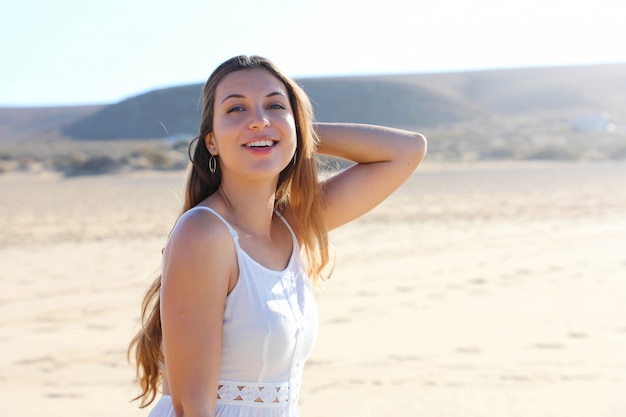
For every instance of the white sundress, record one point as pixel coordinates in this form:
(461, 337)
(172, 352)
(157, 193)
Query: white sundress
(270, 327)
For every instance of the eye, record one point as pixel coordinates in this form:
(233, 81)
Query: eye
(234, 109)
(277, 106)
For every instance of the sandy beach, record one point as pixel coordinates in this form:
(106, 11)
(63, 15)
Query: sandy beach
(479, 289)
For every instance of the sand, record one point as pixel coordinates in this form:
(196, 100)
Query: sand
(487, 289)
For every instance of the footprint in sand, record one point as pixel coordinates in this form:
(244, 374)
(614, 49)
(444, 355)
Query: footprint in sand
(65, 395)
(549, 346)
(404, 358)
(339, 320)
(469, 350)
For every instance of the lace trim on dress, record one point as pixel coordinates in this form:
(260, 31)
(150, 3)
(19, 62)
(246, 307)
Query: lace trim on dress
(253, 393)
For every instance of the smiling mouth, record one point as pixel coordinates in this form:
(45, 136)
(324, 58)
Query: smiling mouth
(266, 143)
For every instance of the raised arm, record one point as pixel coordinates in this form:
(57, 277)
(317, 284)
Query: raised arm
(384, 158)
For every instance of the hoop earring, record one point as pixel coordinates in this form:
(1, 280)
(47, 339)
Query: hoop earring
(212, 164)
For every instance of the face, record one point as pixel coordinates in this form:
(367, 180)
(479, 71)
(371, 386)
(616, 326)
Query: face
(254, 132)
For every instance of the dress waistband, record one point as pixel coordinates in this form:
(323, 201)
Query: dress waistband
(263, 394)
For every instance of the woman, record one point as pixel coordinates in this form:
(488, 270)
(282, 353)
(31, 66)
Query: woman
(232, 318)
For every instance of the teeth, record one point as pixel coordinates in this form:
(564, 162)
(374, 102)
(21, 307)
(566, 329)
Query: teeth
(260, 144)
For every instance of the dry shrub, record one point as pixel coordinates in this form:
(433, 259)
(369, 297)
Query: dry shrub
(556, 153)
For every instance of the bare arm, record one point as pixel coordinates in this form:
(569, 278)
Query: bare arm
(197, 267)
(384, 157)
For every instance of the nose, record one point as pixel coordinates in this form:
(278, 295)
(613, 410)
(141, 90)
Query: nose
(259, 119)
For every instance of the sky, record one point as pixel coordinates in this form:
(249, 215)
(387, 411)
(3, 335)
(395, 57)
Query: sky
(75, 52)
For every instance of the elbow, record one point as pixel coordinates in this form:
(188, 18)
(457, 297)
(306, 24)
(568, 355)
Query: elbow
(422, 143)
(418, 149)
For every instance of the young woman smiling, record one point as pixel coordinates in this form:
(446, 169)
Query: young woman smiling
(230, 321)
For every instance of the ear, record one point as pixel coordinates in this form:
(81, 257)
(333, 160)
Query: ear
(209, 141)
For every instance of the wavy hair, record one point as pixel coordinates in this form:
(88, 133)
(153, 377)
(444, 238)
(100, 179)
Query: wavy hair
(298, 188)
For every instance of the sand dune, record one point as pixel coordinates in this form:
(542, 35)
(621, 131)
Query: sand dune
(477, 290)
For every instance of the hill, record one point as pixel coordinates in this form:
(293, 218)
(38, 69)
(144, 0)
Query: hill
(39, 122)
(418, 101)
(411, 101)
(156, 114)
(569, 113)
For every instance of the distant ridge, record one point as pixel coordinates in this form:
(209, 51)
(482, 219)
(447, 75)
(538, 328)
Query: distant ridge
(392, 101)
(417, 101)
(155, 114)
(37, 122)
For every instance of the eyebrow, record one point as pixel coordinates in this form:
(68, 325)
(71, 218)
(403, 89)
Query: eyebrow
(272, 94)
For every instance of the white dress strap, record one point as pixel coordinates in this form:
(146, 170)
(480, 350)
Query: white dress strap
(293, 234)
(232, 230)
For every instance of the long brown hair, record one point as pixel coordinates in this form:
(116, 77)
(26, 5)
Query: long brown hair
(298, 188)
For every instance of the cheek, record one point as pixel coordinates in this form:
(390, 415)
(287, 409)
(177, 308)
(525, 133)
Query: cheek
(222, 125)
(224, 131)
(290, 126)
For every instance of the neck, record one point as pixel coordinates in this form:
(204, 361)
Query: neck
(250, 205)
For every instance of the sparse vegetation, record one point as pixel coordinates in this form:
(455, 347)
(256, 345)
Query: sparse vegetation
(76, 158)
(556, 153)
(155, 158)
(618, 154)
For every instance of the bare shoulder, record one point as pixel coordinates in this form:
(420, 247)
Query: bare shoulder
(200, 245)
(200, 228)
